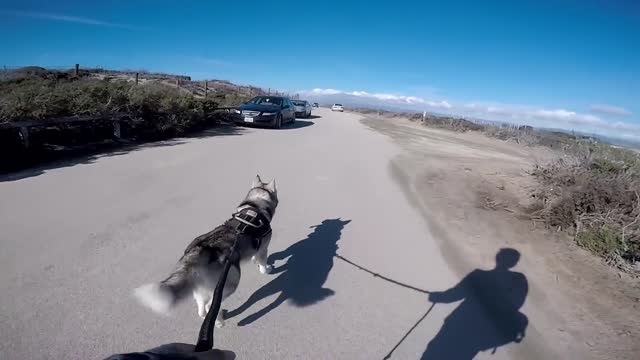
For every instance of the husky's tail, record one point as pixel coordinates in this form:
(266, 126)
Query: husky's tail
(161, 297)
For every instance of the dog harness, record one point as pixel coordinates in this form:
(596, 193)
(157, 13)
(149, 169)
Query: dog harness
(250, 222)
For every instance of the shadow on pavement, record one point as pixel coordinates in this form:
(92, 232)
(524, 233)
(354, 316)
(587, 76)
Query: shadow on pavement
(300, 280)
(489, 315)
(298, 124)
(38, 163)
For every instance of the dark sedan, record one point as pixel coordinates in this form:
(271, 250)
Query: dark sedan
(273, 111)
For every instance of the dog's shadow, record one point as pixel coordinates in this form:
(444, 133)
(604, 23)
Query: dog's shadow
(300, 280)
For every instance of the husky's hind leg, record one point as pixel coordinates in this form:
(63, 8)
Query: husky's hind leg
(202, 295)
(230, 286)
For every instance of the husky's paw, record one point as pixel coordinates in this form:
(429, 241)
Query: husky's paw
(265, 269)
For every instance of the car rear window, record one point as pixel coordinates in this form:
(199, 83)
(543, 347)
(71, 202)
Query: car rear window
(264, 100)
(299, 103)
(337, 105)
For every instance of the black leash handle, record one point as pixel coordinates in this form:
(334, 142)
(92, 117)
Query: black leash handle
(205, 337)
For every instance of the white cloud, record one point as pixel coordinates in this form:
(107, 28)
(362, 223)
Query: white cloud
(568, 116)
(439, 104)
(65, 18)
(610, 110)
(412, 100)
(326, 91)
(560, 118)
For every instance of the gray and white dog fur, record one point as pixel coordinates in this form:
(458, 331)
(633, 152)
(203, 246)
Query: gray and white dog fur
(198, 270)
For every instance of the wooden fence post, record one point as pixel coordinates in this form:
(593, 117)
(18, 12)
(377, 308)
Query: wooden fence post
(136, 78)
(77, 70)
(206, 88)
(116, 129)
(269, 91)
(177, 83)
(24, 134)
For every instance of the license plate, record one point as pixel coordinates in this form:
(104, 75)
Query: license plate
(248, 119)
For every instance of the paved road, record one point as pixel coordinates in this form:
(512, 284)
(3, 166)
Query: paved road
(77, 238)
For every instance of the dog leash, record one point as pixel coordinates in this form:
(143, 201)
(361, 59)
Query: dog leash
(388, 356)
(205, 336)
(375, 274)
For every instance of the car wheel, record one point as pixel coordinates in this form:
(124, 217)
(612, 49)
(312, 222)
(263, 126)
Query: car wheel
(278, 124)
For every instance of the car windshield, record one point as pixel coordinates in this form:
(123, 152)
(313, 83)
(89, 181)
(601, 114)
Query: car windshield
(265, 100)
(298, 103)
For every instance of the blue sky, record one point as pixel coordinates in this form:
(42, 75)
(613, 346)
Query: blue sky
(561, 63)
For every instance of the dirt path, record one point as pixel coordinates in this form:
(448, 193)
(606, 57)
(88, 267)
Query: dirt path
(473, 190)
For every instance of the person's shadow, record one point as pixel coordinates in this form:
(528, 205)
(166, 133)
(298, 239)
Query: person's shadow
(489, 315)
(302, 277)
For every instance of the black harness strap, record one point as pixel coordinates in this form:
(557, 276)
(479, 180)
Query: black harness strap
(246, 222)
(250, 222)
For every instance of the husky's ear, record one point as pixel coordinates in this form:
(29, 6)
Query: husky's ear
(257, 182)
(271, 186)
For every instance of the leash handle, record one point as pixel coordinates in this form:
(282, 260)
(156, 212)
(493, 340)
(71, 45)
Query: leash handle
(205, 337)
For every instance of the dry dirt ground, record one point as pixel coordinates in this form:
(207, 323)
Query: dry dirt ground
(473, 192)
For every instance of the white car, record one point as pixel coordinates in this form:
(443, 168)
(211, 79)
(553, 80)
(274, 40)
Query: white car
(337, 107)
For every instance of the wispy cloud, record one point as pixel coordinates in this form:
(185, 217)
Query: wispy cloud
(439, 104)
(65, 18)
(560, 118)
(325, 91)
(610, 110)
(394, 98)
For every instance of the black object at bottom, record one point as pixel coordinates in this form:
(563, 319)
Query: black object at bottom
(205, 337)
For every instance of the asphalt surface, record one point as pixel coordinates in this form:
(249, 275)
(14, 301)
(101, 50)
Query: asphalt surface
(77, 237)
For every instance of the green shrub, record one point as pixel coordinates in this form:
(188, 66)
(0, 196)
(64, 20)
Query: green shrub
(598, 199)
(602, 241)
(153, 107)
(37, 98)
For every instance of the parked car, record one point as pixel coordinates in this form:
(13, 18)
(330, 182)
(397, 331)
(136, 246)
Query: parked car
(303, 108)
(273, 111)
(337, 107)
(316, 105)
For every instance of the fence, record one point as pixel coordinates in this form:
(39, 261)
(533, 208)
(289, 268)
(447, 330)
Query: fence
(200, 88)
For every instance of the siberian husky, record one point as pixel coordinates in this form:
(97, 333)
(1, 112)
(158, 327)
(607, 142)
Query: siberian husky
(201, 265)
